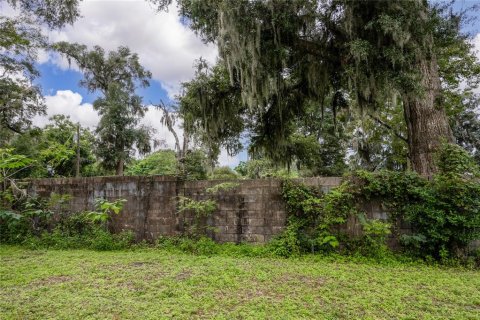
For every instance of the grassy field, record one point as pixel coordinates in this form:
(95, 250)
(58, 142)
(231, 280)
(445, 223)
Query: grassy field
(156, 284)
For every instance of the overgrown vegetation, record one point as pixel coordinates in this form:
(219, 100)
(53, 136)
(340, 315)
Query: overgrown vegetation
(444, 212)
(196, 212)
(47, 223)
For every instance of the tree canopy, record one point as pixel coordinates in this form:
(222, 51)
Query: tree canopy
(116, 75)
(284, 55)
(20, 39)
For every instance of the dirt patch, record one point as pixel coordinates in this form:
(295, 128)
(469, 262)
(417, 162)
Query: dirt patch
(140, 263)
(311, 281)
(51, 281)
(184, 275)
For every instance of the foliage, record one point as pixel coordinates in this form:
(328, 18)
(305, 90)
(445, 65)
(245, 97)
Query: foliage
(194, 165)
(223, 173)
(315, 217)
(58, 147)
(52, 13)
(209, 94)
(162, 162)
(61, 230)
(225, 186)
(22, 38)
(287, 244)
(453, 161)
(201, 208)
(197, 212)
(116, 76)
(379, 139)
(202, 246)
(466, 127)
(24, 217)
(54, 147)
(375, 235)
(94, 238)
(443, 212)
(284, 57)
(46, 223)
(119, 130)
(104, 210)
(263, 168)
(11, 163)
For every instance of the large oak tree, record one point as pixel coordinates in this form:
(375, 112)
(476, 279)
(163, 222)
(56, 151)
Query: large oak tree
(367, 53)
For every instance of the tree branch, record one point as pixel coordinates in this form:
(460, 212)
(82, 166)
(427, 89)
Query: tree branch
(386, 125)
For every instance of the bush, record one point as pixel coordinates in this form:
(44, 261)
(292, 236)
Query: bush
(200, 246)
(444, 211)
(44, 223)
(223, 173)
(95, 239)
(288, 244)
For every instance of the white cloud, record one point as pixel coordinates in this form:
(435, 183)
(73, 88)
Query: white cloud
(165, 46)
(70, 104)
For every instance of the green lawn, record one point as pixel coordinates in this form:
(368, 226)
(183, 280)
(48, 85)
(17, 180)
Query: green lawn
(156, 284)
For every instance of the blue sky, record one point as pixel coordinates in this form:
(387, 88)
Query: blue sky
(54, 78)
(164, 44)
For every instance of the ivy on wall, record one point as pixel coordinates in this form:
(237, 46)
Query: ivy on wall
(443, 211)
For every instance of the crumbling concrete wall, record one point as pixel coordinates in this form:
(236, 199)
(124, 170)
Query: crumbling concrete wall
(252, 212)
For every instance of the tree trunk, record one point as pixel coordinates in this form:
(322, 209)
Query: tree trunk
(427, 122)
(120, 165)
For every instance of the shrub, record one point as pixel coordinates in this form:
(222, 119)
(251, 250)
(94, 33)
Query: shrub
(375, 232)
(223, 173)
(199, 210)
(43, 223)
(444, 211)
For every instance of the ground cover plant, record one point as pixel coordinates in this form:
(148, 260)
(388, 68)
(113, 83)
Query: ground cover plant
(160, 284)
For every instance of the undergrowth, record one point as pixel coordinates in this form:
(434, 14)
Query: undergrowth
(443, 212)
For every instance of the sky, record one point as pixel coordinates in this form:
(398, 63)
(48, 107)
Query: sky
(164, 44)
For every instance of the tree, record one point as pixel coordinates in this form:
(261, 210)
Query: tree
(162, 162)
(194, 165)
(21, 38)
(283, 53)
(10, 164)
(216, 117)
(58, 147)
(116, 76)
(212, 113)
(119, 130)
(223, 173)
(54, 148)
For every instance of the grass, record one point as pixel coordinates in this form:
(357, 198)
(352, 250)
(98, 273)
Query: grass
(158, 284)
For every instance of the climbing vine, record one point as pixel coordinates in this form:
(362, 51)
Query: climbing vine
(443, 211)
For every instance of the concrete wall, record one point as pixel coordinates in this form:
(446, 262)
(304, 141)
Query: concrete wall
(253, 211)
